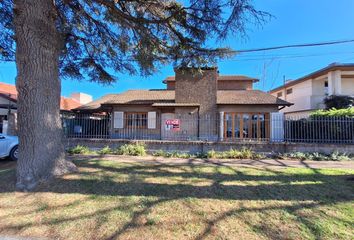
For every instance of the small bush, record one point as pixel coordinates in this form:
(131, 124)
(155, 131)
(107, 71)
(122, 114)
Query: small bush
(106, 150)
(247, 153)
(137, 149)
(211, 154)
(161, 153)
(318, 156)
(337, 156)
(298, 155)
(79, 149)
(333, 112)
(244, 153)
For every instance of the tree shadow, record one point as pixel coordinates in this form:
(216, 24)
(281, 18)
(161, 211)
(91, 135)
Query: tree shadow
(275, 186)
(134, 179)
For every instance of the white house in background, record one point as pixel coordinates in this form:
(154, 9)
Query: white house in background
(307, 93)
(82, 98)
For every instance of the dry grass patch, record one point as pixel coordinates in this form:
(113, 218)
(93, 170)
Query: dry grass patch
(113, 200)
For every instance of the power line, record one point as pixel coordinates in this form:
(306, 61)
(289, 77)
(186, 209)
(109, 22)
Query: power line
(260, 58)
(275, 48)
(295, 46)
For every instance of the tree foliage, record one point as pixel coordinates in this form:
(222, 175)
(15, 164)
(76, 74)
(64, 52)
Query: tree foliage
(100, 37)
(338, 102)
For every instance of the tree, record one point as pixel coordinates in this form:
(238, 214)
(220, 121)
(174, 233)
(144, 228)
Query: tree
(90, 39)
(338, 102)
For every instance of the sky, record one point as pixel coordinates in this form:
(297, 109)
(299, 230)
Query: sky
(293, 22)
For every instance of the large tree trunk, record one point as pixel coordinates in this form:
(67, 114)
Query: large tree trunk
(41, 151)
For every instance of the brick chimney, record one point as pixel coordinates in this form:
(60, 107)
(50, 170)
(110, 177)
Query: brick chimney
(200, 88)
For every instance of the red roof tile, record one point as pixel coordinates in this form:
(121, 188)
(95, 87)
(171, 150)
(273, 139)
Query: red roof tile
(11, 92)
(68, 104)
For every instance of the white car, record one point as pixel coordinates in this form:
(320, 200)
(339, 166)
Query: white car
(8, 147)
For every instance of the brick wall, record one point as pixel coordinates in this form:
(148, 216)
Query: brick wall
(197, 88)
(201, 88)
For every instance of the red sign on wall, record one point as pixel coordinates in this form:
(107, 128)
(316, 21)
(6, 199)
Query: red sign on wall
(172, 124)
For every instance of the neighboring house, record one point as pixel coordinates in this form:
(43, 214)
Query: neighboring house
(8, 101)
(308, 92)
(193, 106)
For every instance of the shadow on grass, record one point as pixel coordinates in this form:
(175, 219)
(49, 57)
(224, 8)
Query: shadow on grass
(132, 180)
(275, 186)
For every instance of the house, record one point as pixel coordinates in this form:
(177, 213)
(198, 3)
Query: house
(203, 105)
(308, 92)
(8, 101)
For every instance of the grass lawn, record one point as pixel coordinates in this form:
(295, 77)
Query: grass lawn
(135, 200)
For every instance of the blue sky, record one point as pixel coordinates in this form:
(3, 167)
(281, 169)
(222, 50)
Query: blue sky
(295, 21)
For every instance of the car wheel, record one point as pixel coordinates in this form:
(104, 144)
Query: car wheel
(14, 153)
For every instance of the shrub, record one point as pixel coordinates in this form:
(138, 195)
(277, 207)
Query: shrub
(79, 149)
(159, 153)
(234, 154)
(333, 112)
(298, 155)
(211, 154)
(337, 156)
(338, 102)
(318, 156)
(137, 149)
(105, 150)
(247, 153)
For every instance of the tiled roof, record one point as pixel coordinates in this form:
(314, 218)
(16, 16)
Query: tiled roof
(96, 103)
(142, 97)
(222, 78)
(163, 98)
(248, 97)
(68, 104)
(175, 104)
(322, 71)
(8, 90)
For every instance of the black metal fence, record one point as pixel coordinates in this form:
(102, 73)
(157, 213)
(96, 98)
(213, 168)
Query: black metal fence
(86, 125)
(319, 129)
(191, 128)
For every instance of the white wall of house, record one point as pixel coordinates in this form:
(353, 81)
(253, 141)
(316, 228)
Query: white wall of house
(300, 96)
(308, 95)
(82, 98)
(348, 86)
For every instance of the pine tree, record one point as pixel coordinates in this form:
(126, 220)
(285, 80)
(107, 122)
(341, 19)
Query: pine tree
(89, 39)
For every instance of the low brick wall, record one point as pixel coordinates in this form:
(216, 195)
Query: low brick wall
(200, 146)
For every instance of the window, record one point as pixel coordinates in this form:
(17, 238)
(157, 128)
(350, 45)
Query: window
(326, 87)
(279, 94)
(246, 126)
(136, 120)
(289, 91)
